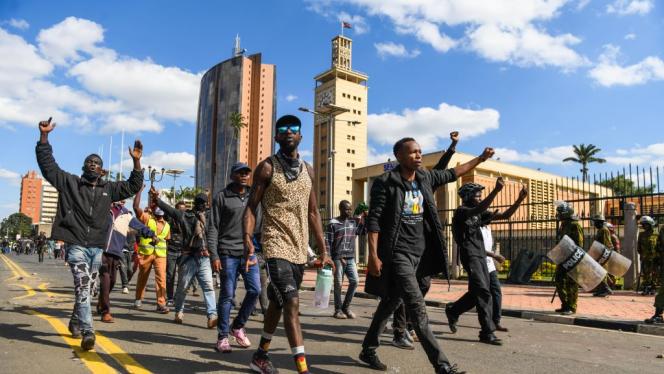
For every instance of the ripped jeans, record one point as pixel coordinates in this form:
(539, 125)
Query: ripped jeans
(84, 263)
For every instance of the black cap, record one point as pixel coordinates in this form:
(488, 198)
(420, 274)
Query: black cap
(201, 199)
(239, 166)
(288, 119)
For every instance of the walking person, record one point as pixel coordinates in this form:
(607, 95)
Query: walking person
(283, 186)
(603, 236)
(340, 237)
(174, 251)
(112, 258)
(494, 282)
(566, 287)
(225, 239)
(82, 221)
(195, 261)
(647, 249)
(127, 260)
(658, 317)
(406, 243)
(152, 255)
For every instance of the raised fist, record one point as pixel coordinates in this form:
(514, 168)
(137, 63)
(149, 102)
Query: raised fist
(46, 126)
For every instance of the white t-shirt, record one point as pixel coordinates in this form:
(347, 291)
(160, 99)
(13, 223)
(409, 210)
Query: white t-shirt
(488, 246)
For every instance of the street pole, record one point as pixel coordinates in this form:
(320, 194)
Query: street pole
(330, 167)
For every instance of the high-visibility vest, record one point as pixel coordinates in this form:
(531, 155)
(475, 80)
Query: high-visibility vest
(146, 248)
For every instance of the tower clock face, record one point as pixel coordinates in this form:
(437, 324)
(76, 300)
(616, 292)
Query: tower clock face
(325, 97)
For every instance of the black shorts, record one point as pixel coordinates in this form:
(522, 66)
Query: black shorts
(285, 278)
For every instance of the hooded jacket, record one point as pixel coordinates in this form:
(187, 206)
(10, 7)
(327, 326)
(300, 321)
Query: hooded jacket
(82, 216)
(386, 205)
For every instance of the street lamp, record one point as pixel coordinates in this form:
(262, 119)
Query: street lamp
(152, 173)
(329, 111)
(175, 173)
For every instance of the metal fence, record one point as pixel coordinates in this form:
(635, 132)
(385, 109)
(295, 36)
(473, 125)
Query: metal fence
(533, 227)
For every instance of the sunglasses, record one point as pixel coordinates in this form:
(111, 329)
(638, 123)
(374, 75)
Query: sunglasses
(295, 129)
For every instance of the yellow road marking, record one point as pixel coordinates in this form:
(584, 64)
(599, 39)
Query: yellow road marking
(122, 357)
(91, 359)
(28, 289)
(15, 267)
(14, 271)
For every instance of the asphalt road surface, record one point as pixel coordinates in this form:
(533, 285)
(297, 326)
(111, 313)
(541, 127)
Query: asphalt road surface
(36, 300)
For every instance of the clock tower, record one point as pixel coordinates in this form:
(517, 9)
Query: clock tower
(340, 127)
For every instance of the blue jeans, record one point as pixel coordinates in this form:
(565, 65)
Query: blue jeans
(199, 267)
(231, 266)
(84, 263)
(351, 272)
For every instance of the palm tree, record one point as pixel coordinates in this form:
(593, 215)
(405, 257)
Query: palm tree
(235, 123)
(585, 154)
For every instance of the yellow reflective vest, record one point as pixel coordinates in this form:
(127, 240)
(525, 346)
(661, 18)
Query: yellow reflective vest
(145, 246)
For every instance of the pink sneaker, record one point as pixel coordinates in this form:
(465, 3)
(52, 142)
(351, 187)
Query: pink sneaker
(224, 346)
(241, 338)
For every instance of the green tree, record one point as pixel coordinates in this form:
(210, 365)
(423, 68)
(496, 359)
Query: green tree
(624, 186)
(17, 223)
(184, 193)
(585, 154)
(235, 123)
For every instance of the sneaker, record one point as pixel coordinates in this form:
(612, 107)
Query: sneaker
(162, 309)
(413, 336)
(212, 321)
(88, 341)
(125, 290)
(451, 320)
(447, 369)
(107, 318)
(75, 330)
(339, 315)
(408, 336)
(567, 312)
(402, 342)
(138, 304)
(170, 303)
(241, 337)
(371, 358)
(223, 346)
(179, 316)
(656, 319)
(349, 313)
(260, 363)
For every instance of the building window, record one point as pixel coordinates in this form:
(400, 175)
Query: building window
(352, 165)
(347, 178)
(353, 137)
(348, 137)
(347, 192)
(352, 151)
(359, 112)
(348, 164)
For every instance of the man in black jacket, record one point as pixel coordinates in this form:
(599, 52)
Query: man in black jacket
(82, 220)
(406, 243)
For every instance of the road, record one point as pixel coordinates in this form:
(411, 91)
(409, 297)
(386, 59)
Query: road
(36, 300)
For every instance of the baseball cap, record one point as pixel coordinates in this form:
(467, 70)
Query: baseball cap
(239, 166)
(158, 212)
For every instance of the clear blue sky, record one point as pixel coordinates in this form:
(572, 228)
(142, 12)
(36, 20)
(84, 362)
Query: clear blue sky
(529, 80)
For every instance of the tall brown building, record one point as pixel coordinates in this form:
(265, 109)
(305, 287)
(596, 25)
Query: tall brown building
(31, 191)
(241, 85)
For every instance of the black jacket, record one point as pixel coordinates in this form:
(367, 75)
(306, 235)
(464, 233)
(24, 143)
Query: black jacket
(386, 204)
(187, 221)
(83, 208)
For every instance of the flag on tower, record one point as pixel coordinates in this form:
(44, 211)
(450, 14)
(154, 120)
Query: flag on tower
(346, 25)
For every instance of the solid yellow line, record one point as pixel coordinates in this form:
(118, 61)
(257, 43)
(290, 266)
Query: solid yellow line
(91, 359)
(13, 270)
(28, 289)
(15, 266)
(122, 357)
(42, 287)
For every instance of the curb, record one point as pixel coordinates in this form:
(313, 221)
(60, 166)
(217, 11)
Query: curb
(625, 326)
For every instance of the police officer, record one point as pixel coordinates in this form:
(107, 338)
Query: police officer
(647, 243)
(659, 299)
(603, 236)
(567, 289)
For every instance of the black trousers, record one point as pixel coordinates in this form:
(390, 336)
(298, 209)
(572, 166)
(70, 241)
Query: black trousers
(405, 289)
(478, 295)
(400, 320)
(496, 297)
(171, 266)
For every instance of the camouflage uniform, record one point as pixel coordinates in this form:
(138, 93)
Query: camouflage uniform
(647, 248)
(659, 299)
(568, 290)
(603, 236)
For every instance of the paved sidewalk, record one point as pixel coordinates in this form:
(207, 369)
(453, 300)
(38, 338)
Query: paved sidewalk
(623, 310)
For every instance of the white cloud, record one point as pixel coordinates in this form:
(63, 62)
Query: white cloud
(24, 65)
(10, 177)
(429, 125)
(509, 31)
(291, 98)
(63, 42)
(358, 23)
(117, 122)
(627, 7)
(630, 36)
(307, 155)
(608, 72)
(395, 49)
(548, 156)
(376, 157)
(582, 4)
(19, 24)
(161, 159)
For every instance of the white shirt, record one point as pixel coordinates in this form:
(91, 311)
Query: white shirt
(488, 247)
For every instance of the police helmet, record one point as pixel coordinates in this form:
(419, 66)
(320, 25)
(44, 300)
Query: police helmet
(468, 190)
(647, 220)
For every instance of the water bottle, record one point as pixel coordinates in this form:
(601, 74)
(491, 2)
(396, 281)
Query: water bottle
(323, 288)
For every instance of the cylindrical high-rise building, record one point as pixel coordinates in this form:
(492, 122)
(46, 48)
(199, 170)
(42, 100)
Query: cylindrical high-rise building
(240, 89)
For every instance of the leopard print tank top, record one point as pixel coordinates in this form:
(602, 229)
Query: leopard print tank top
(285, 232)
